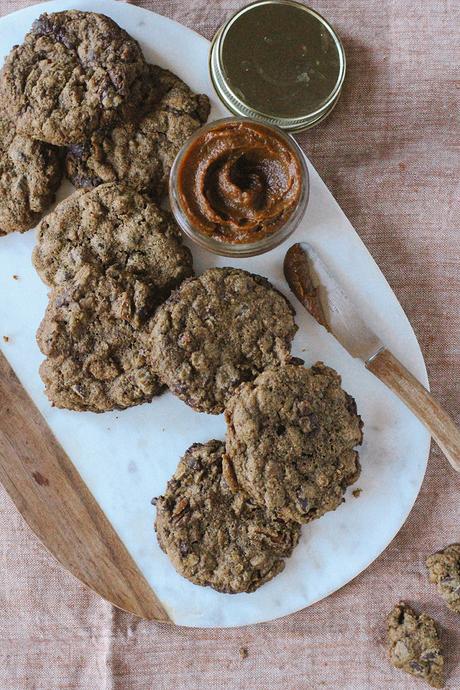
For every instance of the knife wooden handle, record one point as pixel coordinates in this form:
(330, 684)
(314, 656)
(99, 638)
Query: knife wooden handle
(440, 424)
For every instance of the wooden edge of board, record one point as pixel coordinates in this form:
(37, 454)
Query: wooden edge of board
(58, 506)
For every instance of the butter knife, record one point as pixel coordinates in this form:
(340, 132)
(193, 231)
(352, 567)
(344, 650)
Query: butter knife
(319, 292)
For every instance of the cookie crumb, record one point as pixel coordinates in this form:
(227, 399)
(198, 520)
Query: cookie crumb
(6, 339)
(444, 571)
(243, 652)
(414, 645)
(357, 492)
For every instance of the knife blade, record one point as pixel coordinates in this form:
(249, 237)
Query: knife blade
(316, 288)
(322, 295)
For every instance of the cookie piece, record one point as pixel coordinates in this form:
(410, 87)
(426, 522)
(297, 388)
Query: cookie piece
(216, 538)
(71, 75)
(141, 153)
(218, 330)
(95, 337)
(414, 645)
(444, 571)
(109, 225)
(30, 173)
(290, 440)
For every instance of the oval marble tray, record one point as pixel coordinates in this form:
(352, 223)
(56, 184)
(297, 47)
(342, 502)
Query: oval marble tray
(126, 458)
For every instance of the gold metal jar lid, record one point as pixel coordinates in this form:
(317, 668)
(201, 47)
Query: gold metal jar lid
(279, 62)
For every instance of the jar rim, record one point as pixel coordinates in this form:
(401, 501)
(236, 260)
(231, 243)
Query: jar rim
(236, 105)
(246, 249)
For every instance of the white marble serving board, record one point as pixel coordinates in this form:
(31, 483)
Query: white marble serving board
(126, 457)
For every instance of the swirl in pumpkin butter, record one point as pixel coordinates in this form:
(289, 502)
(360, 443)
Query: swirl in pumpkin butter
(239, 182)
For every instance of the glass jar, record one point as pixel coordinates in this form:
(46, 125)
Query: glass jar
(219, 244)
(280, 62)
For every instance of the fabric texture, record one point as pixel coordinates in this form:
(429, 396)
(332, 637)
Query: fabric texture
(388, 153)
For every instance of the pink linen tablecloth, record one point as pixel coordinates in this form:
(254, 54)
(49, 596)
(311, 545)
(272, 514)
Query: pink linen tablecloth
(390, 155)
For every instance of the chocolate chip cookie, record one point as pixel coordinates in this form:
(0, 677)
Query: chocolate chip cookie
(216, 538)
(73, 74)
(291, 435)
(414, 645)
(95, 337)
(218, 330)
(444, 571)
(112, 225)
(141, 153)
(30, 173)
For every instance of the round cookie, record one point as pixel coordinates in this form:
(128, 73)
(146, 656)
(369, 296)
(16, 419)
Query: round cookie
(72, 75)
(216, 538)
(30, 173)
(141, 153)
(112, 224)
(218, 330)
(290, 440)
(95, 337)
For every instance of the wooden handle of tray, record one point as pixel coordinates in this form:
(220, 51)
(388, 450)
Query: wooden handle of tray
(440, 424)
(57, 505)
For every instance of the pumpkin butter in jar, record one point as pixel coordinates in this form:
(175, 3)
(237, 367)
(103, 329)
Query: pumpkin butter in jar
(239, 187)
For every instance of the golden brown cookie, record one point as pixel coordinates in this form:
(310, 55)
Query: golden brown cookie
(72, 75)
(141, 153)
(218, 330)
(112, 225)
(216, 538)
(444, 571)
(414, 645)
(291, 435)
(95, 336)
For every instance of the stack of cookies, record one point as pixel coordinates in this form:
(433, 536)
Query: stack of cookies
(79, 97)
(232, 512)
(78, 94)
(111, 256)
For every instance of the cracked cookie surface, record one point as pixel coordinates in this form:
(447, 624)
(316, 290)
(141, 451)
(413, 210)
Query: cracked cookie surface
(72, 75)
(218, 330)
(444, 571)
(112, 225)
(141, 153)
(95, 337)
(414, 645)
(30, 173)
(214, 537)
(290, 440)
